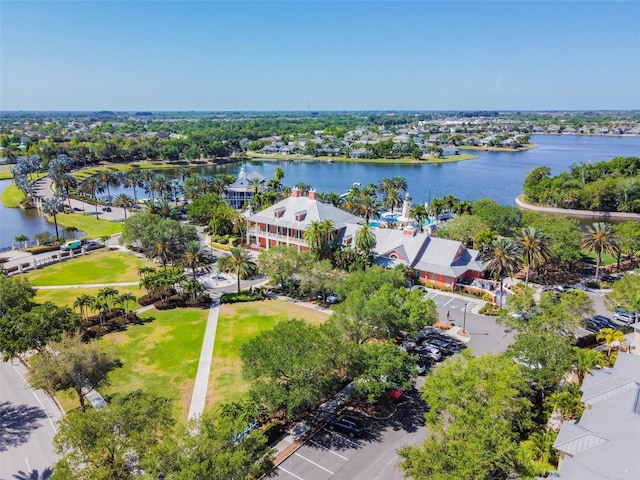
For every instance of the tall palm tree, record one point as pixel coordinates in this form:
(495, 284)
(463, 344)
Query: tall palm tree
(52, 206)
(600, 238)
(449, 202)
(385, 185)
(72, 230)
(65, 183)
(278, 174)
(239, 263)
(535, 249)
(109, 178)
(400, 183)
(91, 186)
(502, 258)
(196, 257)
(365, 242)
(392, 199)
(585, 360)
(125, 300)
(609, 335)
(84, 303)
(133, 179)
(314, 236)
(436, 206)
(303, 187)
(125, 202)
(183, 173)
(163, 249)
(419, 212)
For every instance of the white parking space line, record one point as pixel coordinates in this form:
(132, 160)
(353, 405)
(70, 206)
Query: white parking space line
(448, 302)
(314, 463)
(327, 449)
(292, 474)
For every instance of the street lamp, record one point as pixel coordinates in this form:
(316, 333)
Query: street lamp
(464, 318)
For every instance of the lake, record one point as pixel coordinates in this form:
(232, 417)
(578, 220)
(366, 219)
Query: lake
(497, 175)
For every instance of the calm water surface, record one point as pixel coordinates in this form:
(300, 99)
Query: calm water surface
(497, 175)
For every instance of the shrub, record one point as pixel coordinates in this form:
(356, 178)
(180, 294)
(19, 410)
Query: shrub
(42, 249)
(177, 300)
(148, 299)
(244, 296)
(220, 246)
(489, 309)
(160, 305)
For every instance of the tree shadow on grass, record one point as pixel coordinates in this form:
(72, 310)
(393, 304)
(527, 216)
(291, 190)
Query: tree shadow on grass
(17, 422)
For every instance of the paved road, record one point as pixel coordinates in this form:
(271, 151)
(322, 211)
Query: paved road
(27, 427)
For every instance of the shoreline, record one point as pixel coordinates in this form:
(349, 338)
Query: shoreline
(378, 161)
(578, 214)
(524, 148)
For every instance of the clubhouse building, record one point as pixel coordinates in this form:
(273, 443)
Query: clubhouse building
(434, 260)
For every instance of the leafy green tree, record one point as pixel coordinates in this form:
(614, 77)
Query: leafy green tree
(16, 293)
(71, 363)
(380, 368)
(291, 367)
(563, 235)
(629, 241)
(463, 229)
(239, 263)
(477, 408)
(600, 238)
(625, 294)
(205, 448)
(115, 442)
(282, 262)
(319, 276)
(501, 219)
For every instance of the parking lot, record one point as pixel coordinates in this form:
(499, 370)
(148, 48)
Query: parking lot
(372, 455)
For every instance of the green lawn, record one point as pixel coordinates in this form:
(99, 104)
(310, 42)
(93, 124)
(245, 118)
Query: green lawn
(89, 224)
(238, 323)
(65, 297)
(100, 267)
(12, 196)
(161, 356)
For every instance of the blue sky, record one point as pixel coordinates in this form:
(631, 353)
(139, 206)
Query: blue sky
(330, 55)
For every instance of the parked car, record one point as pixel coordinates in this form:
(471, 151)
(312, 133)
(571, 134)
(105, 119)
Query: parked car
(605, 322)
(333, 298)
(347, 424)
(423, 367)
(624, 316)
(590, 325)
(442, 345)
(217, 278)
(408, 346)
(106, 209)
(429, 351)
(71, 245)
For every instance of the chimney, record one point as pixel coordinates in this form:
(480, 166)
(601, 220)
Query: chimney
(312, 194)
(295, 193)
(409, 231)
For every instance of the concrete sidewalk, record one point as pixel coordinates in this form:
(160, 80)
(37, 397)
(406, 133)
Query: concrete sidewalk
(201, 385)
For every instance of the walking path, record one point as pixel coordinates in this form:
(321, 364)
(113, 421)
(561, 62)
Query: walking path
(199, 395)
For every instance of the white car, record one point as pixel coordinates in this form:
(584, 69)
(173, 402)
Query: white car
(333, 298)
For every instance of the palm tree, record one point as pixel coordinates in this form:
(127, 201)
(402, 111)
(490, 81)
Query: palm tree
(436, 207)
(162, 249)
(92, 186)
(463, 207)
(385, 185)
(83, 303)
(125, 301)
(109, 178)
(501, 258)
(365, 242)
(183, 173)
(419, 212)
(600, 238)
(449, 202)
(314, 236)
(585, 360)
(23, 238)
(52, 206)
(392, 199)
(278, 174)
(239, 263)
(65, 183)
(125, 202)
(133, 179)
(609, 335)
(196, 257)
(240, 226)
(400, 183)
(303, 187)
(535, 249)
(193, 288)
(108, 295)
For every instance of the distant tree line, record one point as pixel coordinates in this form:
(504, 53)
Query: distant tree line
(612, 186)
